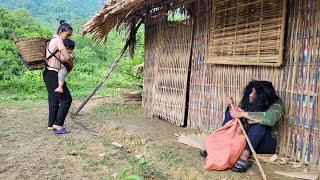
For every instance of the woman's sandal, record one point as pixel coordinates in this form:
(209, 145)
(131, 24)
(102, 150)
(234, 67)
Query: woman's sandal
(203, 153)
(61, 131)
(241, 166)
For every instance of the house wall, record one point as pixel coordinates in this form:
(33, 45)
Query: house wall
(297, 81)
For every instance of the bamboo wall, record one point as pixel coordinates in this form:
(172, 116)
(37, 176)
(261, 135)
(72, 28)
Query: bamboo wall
(151, 60)
(301, 85)
(297, 81)
(211, 83)
(167, 61)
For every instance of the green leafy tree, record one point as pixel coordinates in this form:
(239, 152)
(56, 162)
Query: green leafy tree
(92, 60)
(20, 23)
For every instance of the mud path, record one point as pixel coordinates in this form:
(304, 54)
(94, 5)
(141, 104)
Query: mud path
(150, 149)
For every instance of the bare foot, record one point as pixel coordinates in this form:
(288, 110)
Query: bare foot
(57, 127)
(58, 90)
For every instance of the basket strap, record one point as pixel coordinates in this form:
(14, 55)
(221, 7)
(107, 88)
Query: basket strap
(52, 55)
(64, 63)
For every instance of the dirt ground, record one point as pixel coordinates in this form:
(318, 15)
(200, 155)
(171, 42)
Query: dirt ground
(150, 148)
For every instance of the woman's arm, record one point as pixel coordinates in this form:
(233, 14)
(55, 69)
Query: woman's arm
(236, 113)
(66, 55)
(269, 118)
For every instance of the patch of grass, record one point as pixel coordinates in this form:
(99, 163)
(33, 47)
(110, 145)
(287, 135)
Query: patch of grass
(62, 167)
(103, 160)
(123, 175)
(164, 154)
(175, 162)
(117, 108)
(173, 159)
(95, 164)
(70, 141)
(143, 167)
(105, 142)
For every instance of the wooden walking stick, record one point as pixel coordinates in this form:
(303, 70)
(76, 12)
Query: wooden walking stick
(250, 145)
(113, 66)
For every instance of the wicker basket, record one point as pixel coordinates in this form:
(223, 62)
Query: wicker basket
(32, 52)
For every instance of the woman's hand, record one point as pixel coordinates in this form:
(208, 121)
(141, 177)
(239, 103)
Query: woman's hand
(237, 112)
(230, 101)
(70, 62)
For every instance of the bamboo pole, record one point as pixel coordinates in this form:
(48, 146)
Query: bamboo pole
(113, 66)
(251, 148)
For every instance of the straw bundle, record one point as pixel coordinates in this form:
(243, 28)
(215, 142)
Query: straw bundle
(197, 141)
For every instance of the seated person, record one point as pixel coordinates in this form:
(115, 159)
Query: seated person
(260, 110)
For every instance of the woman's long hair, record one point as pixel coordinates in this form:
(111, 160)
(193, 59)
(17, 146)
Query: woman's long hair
(265, 96)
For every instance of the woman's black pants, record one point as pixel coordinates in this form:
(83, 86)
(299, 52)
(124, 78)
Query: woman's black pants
(59, 103)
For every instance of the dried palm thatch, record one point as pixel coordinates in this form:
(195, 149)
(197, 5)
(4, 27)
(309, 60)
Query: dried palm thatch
(125, 13)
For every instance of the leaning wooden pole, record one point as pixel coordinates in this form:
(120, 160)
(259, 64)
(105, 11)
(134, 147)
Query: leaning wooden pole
(113, 66)
(251, 147)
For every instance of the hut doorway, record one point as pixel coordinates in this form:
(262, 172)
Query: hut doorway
(166, 69)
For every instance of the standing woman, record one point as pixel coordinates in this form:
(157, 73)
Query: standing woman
(59, 103)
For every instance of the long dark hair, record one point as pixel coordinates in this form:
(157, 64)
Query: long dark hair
(265, 96)
(64, 26)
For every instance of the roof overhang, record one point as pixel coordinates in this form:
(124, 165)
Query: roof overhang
(125, 14)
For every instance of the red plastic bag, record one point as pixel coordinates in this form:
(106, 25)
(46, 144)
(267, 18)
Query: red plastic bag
(224, 146)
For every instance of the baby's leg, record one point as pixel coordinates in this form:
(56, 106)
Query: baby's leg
(59, 89)
(61, 76)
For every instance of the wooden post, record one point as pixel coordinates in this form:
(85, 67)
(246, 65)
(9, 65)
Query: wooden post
(113, 66)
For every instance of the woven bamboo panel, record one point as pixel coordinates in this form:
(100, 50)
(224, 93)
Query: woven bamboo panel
(151, 60)
(247, 32)
(198, 114)
(300, 137)
(170, 87)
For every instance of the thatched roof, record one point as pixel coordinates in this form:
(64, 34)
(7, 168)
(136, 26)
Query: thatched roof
(125, 13)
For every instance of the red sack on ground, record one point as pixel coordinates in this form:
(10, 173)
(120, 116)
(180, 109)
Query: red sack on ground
(224, 146)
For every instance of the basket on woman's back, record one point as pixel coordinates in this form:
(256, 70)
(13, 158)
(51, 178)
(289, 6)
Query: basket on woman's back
(32, 52)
